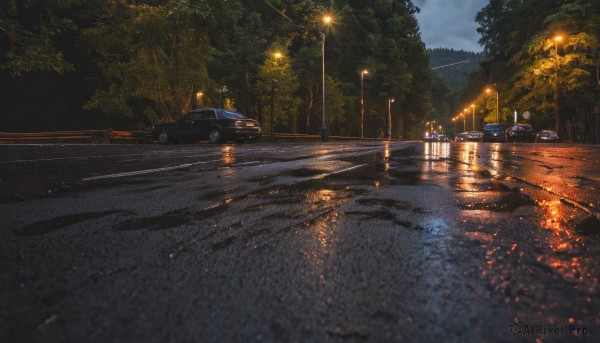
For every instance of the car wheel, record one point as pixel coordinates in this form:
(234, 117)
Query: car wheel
(163, 137)
(215, 136)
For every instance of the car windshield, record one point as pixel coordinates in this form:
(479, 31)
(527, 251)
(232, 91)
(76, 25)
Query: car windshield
(231, 115)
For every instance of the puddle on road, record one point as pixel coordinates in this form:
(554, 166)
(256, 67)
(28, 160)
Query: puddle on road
(507, 203)
(483, 187)
(172, 219)
(388, 203)
(385, 215)
(51, 225)
(305, 172)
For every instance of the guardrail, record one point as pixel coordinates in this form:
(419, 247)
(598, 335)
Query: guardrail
(111, 136)
(73, 137)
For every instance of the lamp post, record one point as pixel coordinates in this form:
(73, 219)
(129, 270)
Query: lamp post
(557, 39)
(326, 21)
(473, 108)
(389, 132)
(497, 102)
(362, 103)
(199, 99)
(277, 56)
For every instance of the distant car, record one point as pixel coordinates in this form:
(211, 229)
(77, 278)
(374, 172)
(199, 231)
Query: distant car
(212, 124)
(461, 137)
(470, 136)
(547, 136)
(442, 138)
(430, 137)
(520, 133)
(493, 133)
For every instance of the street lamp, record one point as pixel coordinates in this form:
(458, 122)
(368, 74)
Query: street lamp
(277, 56)
(199, 99)
(473, 108)
(557, 39)
(362, 103)
(489, 90)
(389, 132)
(326, 21)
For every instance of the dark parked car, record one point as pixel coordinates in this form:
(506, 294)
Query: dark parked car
(215, 125)
(520, 133)
(547, 136)
(493, 133)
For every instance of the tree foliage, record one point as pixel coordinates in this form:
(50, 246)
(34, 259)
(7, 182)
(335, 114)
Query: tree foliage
(157, 56)
(28, 31)
(556, 80)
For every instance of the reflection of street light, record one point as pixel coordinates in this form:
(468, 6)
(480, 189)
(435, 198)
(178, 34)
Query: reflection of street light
(326, 20)
(389, 132)
(557, 39)
(362, 103)
(489, 90)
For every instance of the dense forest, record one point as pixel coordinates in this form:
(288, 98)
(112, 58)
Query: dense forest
(542, 57)
(75, 64)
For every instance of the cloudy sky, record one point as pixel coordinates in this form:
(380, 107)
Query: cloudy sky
(450, 23)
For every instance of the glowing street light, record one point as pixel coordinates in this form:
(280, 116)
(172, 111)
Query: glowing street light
(362, 103)
(473, 108)
(489, 90)
(326, 21)
(557, 39)
(389, 132)
(199, 99)
(277, 55)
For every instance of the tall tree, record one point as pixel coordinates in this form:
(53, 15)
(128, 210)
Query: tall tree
(154, 56)
(279, 81)
(553, 78)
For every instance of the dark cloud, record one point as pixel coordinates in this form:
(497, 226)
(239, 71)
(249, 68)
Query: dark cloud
(450, 23)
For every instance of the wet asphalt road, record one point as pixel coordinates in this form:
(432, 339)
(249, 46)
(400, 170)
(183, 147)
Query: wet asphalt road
(343, 242)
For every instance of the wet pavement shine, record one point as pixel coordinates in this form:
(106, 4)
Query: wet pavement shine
(354, 242)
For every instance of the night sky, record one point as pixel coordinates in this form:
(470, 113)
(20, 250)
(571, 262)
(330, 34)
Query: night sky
(450, 23)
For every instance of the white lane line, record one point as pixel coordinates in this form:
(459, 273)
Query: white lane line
(145, 171)
(334, 172)
(155, 155)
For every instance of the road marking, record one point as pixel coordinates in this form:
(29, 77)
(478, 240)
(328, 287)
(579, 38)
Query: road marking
(334, 172)
(145, 171)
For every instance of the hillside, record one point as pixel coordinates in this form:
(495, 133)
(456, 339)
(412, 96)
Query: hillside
(442, 62)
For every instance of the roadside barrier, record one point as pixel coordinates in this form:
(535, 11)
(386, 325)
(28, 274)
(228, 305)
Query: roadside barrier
(111, 136)
(76, 137)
